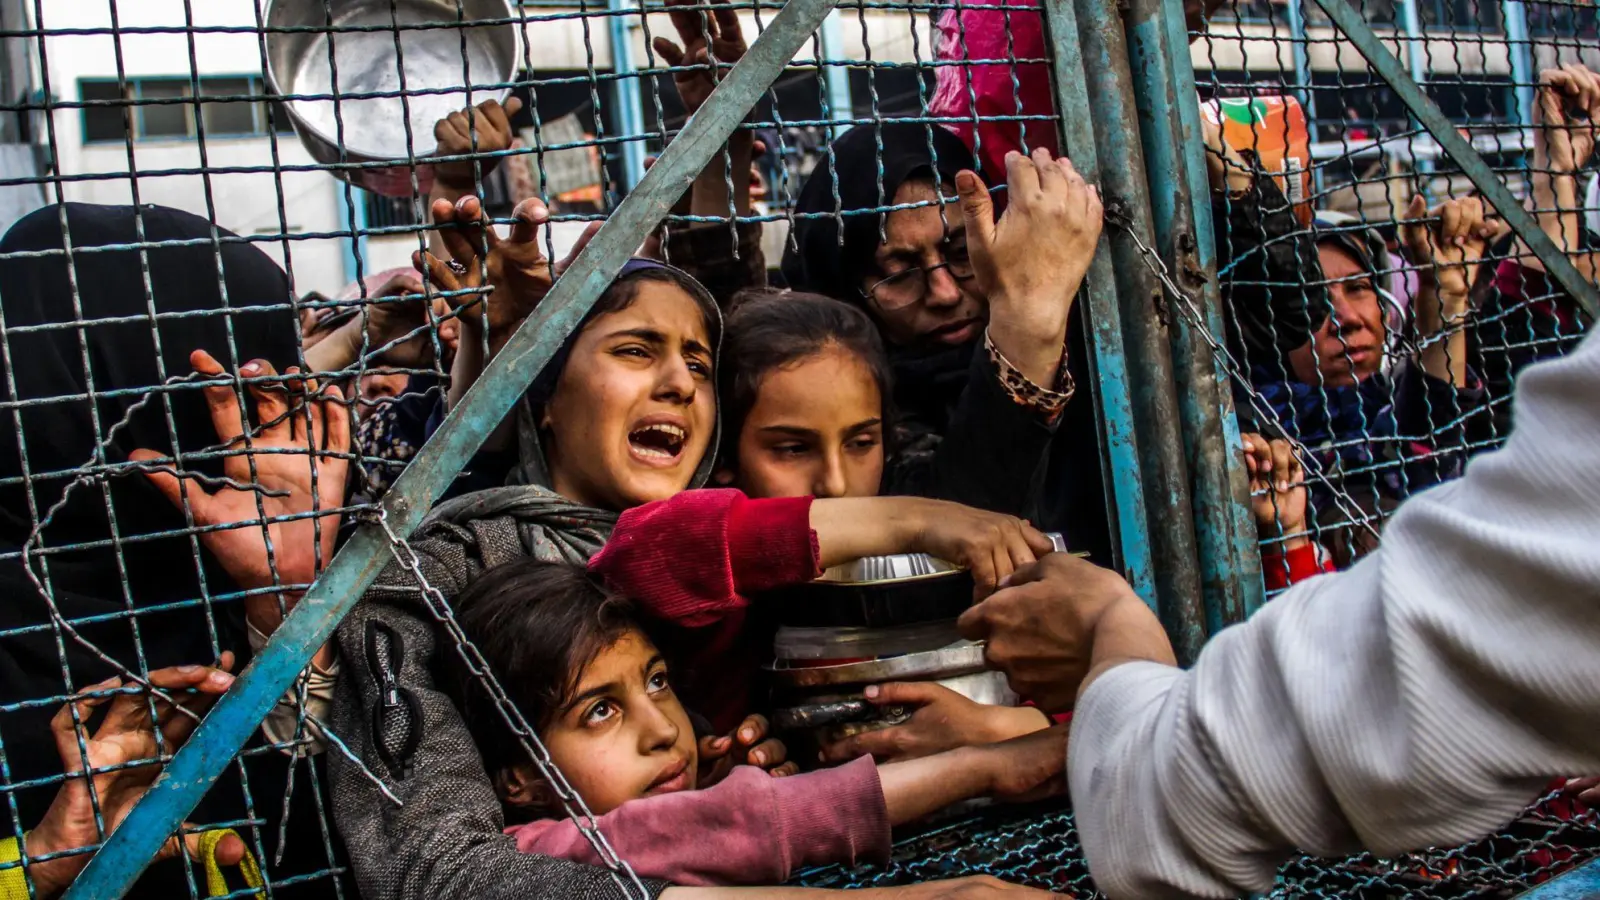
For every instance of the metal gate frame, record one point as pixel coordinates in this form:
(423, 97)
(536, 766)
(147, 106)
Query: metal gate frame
(1177, 491)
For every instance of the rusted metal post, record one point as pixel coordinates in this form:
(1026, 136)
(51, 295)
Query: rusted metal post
(1146, 323)
(1169, 121)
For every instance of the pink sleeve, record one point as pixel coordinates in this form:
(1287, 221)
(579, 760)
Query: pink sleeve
(750, 829)
(693, 557)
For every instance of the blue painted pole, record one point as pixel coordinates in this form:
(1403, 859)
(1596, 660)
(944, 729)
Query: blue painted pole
(837, 78)
(1180, 201)
(1556, 264)
(1520, 46)
(1582, 883)
(353, 218)
(113, 870)
(629, 107)
(1417, 63)
(1146, 325)
(1126, 504)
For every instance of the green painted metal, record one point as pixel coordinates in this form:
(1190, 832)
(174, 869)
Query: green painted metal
(1560, 269)
(119, 862)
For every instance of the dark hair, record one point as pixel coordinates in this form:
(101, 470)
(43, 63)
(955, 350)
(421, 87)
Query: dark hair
(768, 329)
(537, 625)
(619, 296)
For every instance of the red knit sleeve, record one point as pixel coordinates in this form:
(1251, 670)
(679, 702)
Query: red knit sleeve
(1283, 569)
(693, 557)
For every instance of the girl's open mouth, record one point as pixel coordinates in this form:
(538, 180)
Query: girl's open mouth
(658, 443)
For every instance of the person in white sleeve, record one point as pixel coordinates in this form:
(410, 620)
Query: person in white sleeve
(1423, 697)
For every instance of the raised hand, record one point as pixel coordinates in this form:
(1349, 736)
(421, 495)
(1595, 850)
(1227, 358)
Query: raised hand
(316, 432)
(703, 35)
(943, 720)
(490, 124)
(1277, 490)
(391, 320)
(515, 266)
(1449, 249)
(126, 744)
(1568, 110)
(1032, 261)
(1447, 253)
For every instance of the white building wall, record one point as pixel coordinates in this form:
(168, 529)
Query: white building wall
(245, 203)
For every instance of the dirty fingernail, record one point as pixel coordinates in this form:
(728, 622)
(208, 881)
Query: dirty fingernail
(759, 759)
(747, 734)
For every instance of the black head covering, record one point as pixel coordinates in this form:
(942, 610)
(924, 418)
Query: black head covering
(821, 264)
(48, 368)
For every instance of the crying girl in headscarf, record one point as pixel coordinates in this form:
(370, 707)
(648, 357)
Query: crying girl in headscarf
(624, 413)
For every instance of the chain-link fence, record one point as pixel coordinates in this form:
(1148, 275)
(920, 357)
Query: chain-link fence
(223, 366)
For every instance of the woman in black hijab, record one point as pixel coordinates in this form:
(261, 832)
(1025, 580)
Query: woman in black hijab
(973, 429)
(112, 553)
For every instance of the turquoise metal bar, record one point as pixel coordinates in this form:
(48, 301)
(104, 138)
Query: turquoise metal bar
(353, 218)
(1180, 200)
(1520, 48)
(113, 870)
(1582, 883)
(1146, 318)
(837, 78)
(1417, 64)
(1556, 264)
(629, 108)
(1125, 500)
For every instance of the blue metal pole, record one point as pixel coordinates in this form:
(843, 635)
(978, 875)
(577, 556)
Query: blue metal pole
(1146, 318)
(1417, 63)
(837, 78)
(629, 108)
(113, 870)
(1519, 44)
(1180, 201)
(1582, 883)
(353, 218)
(1125, 500)
(1556, 263)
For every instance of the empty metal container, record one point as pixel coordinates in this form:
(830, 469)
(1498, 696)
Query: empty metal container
(370, 78)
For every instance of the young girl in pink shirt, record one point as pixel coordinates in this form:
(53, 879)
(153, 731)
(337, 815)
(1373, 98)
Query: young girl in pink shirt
(598, 693)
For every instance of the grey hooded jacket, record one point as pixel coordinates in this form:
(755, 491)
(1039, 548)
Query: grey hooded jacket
(446, 836)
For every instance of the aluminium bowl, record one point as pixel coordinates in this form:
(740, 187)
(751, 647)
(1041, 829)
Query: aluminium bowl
(426, 50)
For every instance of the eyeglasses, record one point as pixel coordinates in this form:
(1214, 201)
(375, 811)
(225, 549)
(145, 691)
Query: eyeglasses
(908, 287)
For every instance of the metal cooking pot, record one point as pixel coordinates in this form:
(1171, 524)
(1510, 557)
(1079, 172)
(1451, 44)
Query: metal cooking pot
(429, 40)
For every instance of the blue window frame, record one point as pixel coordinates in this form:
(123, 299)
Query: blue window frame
(133, 108)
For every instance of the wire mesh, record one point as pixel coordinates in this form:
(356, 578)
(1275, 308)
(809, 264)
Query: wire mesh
(1039, 847)
(1407, 380)
(309, 141)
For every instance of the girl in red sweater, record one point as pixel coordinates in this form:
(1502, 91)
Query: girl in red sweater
(804, 387)
(597, 692)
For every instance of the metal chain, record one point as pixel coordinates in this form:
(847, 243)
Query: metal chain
(571, 802)
(1152, 260)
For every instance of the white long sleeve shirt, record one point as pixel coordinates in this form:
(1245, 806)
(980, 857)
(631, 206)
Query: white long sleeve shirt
(1421, 698)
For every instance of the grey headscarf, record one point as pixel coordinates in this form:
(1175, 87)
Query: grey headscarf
(389, 710)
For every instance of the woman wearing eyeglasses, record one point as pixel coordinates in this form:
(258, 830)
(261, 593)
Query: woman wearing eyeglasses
(978, 314)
